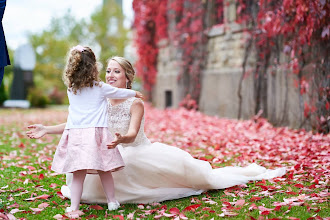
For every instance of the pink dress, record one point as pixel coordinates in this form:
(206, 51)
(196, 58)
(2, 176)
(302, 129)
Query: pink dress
(86, 148)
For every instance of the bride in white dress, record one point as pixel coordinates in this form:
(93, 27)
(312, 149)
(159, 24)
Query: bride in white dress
(154, 172)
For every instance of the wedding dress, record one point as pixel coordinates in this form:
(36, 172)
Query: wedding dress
(156, 172)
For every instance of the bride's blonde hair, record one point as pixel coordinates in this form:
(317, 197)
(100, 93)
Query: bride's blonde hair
(128, 68)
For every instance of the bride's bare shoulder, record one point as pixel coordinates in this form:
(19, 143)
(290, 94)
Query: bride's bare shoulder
(137, 105)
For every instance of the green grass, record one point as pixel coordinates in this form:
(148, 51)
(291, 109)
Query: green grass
(25, 173)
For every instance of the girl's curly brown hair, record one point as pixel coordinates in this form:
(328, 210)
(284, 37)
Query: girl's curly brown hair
(81, 70)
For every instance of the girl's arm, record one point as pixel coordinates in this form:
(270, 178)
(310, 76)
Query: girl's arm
(119, 93)
(137, 111)
(39, 130)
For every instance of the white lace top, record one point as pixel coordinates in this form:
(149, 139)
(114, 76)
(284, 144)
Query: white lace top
(119, 119)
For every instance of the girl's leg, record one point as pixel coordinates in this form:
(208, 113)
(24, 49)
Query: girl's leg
(108, 185)
(77, 188)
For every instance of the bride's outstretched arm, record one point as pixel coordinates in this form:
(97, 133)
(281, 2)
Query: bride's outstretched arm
(39, 130)
(137, 111)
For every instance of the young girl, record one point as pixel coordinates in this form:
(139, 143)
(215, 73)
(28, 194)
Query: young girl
(83, 145)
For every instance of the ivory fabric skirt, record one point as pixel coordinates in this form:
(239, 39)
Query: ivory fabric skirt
(86, 148)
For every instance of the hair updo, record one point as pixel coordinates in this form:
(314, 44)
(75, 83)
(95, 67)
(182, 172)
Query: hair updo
(128, 68)
(81, 69)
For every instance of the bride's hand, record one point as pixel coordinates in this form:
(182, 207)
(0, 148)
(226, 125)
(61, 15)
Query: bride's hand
(139, 95)
(36, 131)
(116, 141)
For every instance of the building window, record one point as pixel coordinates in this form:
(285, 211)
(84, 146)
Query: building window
(168, 98)
(215, 12)
(218, 12)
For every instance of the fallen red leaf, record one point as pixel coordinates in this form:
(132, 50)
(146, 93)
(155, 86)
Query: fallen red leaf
(41, 176)
(53, 185)
(43, 205)
(96, 207)
(59, 216)
(255, 198)
(291, 193)
(297, 166)
(299, 185)
(45, 196)
(312, 186)
(264, 187)
(265, 213)
(191, 208)
(182, 216)
(36, 209)
(15, 205)
(59, 194)
(277, 208)
(91, 216)
(174, 210)
(240, 202)
(118, 216)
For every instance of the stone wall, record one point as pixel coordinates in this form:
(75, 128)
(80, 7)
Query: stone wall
(221, 76)
(222, 72)
(168, 70)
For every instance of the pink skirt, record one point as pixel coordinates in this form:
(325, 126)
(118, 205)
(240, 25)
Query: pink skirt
(86, 148)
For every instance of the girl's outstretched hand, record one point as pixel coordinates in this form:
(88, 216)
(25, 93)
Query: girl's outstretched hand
(139, 95)
(116, 141)
(36, 131)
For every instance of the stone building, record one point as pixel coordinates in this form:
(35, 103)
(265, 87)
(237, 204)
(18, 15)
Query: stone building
(220, 78)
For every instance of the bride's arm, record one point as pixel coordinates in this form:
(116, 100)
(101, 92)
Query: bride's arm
(39, 130)
(137, 111)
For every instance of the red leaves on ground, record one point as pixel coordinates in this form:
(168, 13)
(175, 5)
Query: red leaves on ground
(174, 211)
(21, 145)
(96, 207)
(43, 205)
(299, 185)
(263, 187)
(191, 208)
(240, 202)
(91, 216)
(255, 198)
(74, 214)
(53, 185)
(265, 213)
(59, 194)
(277, 208)
(305, 155)
(38, 197)
(120, 217)
(41, 176)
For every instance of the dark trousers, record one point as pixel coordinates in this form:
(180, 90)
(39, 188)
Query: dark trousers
(2, 70)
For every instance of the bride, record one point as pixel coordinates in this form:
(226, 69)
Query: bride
(154, 172)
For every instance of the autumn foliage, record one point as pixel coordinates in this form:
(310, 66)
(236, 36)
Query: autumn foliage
(291, 35)
(150, 25)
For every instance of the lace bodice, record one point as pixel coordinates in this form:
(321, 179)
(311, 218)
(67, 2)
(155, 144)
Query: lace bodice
(119, 118)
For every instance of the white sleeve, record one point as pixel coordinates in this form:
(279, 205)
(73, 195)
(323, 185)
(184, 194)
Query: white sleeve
(116, 93)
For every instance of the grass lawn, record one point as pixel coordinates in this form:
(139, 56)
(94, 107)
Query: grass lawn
(29, 190)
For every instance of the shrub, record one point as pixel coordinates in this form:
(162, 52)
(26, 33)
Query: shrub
(3, 93)
(37, 98)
